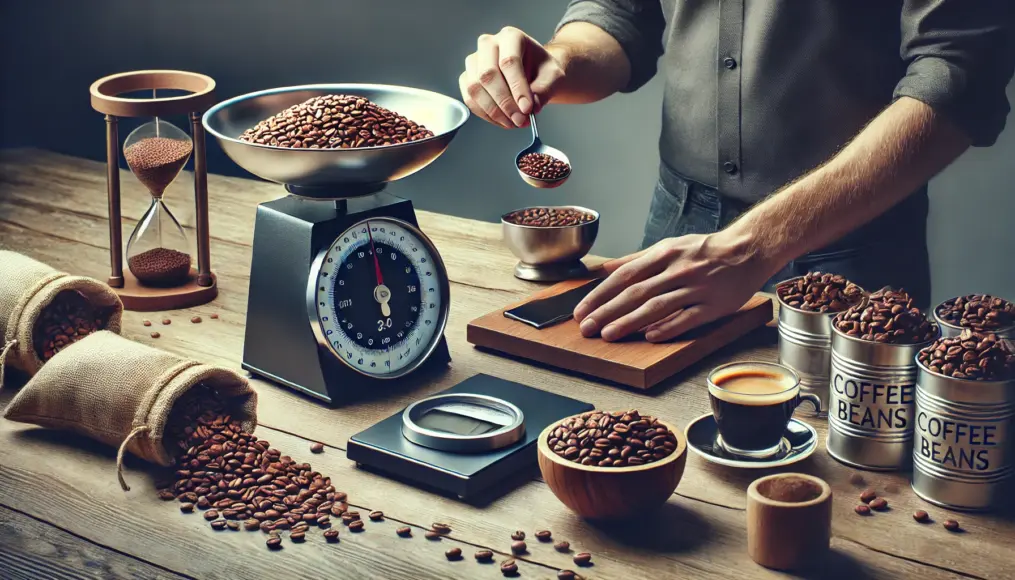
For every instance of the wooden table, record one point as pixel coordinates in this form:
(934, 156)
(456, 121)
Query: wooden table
(63, 514)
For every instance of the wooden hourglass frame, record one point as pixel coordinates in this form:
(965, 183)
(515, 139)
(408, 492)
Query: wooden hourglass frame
(200, 285)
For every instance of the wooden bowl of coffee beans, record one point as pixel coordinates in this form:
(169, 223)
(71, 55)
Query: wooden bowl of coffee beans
(612, 465)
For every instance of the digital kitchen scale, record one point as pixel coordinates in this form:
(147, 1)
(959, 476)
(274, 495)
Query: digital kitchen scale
(465, 440)
(346, 293)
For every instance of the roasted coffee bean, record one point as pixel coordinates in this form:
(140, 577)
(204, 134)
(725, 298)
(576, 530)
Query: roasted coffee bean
(186, 507)
(214, 316)
(195, 319)
(583, 559)
(251, 525)
(68, 318)
(921, 516)
(543, 166)
(453, 554)
(233, 525)
(267, 526)
(218, 525)
(441, 528)
(211, 515)
(972, 356)
(508, 568)
(317, 447)
(868, 495)
(566, 575)
(981, 312)
(886, 316)
(544, 536)
(817, 292)
(297, 536)
(432, 535)
(356, 526)
(322, 521)
(146, 322)
(333, 122)
(166, 321)
(274, 543)
(484, 556)
(862, 509)
(879, 504)
(549, 217)
(376, 516)
(519, 547)
(518, 535)
(951, 525)
(631, 438)
(154, 334)
(331, 535)
(404, 531)
(562, 546)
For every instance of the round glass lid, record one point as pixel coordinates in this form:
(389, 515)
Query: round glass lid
(463, 423)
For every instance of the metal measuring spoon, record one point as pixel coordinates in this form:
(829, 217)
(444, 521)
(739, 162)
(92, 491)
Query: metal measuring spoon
(537, 147)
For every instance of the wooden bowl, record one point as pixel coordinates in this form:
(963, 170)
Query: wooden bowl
(595, 492)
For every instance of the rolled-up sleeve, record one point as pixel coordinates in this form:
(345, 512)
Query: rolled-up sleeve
(960, 56)
(636, 24)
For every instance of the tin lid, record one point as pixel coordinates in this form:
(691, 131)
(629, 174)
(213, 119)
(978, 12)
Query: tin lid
(463, 423)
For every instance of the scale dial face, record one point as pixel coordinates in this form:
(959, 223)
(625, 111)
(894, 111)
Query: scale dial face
(381, 297)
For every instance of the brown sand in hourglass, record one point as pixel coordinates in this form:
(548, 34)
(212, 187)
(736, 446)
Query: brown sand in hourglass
(156, 161)
(160, 266)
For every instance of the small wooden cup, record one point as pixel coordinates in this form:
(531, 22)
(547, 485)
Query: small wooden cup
(612, 492)
(789, 520)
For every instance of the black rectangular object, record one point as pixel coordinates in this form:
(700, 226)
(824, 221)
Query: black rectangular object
(546, 312)
(383, 447)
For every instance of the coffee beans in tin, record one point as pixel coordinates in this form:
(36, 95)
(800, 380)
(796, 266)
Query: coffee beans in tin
(979, 312)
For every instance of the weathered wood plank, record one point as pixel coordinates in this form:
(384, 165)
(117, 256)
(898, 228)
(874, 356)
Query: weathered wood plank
(30, 550)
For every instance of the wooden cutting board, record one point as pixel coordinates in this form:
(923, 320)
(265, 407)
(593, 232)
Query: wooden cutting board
(633, 362)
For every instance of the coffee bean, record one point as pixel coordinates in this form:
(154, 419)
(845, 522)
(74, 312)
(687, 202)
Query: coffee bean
(432, 535)
(562, 546)
(879, 504)
(214, 316)
(356, 526)
(233, 525)
(543, 166)
(868, 495)
(508, 568)
(615, 439)
(453, 554)
(218, 525)
(862, 509)
(951, 525)
(66, 319)
(251, 525)
(376, 516)
(975, 356)
(211, 515)
(441, 528)
(566, 575)
(544, 536)
(317, 447)
(274, 543)
(195, 319)
(331, 535)
(817, 292)
(981, 312)
(518, 535)
(322, 521)
(856, 479)
(155, 335)
(549, 217)
(146, 322)
(484, 556)
(297, 537)
(404, 531)
(886, 316)
(186, 507)
(519, 547)
(166, 321)
(267, 526)
(921, 516)
(583, 559)
(166, 495)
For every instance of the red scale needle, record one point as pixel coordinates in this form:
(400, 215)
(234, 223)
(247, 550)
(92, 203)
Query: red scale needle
(377, 263)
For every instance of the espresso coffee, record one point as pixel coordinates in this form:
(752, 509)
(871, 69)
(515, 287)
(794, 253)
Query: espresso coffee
(752, 404)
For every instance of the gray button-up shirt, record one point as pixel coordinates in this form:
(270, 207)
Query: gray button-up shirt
(759, 92)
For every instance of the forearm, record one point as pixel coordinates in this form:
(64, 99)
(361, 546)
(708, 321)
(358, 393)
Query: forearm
(901, 149)
(595, 66)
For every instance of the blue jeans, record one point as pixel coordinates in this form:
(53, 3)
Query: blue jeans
(889, 251)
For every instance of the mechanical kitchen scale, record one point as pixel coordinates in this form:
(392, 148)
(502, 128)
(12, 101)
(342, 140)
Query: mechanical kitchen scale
(346, 292)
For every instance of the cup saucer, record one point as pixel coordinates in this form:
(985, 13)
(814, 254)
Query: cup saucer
(702, 436)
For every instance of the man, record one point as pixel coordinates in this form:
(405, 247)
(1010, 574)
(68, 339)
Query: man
(797, 136)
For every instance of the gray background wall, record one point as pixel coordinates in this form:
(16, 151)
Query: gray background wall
(53, 49)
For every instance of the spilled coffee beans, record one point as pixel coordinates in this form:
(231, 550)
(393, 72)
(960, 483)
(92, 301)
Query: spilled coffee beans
(583, 559)
(952, 525)
(543, 166)
(978, 312)
(518, 535)
(862, 510)
(549, 217)
(404, 531)
(335, 122)
(618, 439)
(921, 516)
(453, 554)
(562, 546)
(68, 318)
(519, 547)
(972, 355)
(484, 556)
(509, 568)
(886, 316)
(544, 535)
(817, 292)
(878, 504)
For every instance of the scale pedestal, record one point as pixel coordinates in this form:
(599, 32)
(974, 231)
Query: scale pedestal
(279, 343)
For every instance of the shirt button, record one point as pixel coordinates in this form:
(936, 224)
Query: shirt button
(729, 62)
(729, 167)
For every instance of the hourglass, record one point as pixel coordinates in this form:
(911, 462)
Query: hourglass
(161, 272)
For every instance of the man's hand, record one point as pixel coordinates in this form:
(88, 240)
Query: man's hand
(509, 76)
(672, 287)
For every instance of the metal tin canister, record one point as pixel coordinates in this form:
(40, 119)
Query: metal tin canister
(963, 448)
(872, 399)
(805, 346)
(949, 330)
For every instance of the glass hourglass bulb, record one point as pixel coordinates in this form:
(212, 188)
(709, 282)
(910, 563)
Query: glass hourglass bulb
(158, 253)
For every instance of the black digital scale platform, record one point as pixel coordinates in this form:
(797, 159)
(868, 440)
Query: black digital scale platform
(466, 439)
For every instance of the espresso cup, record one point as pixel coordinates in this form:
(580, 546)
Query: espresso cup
(752, 403)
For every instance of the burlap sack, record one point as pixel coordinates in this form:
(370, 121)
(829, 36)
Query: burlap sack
(26, 288)
(121, 393)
